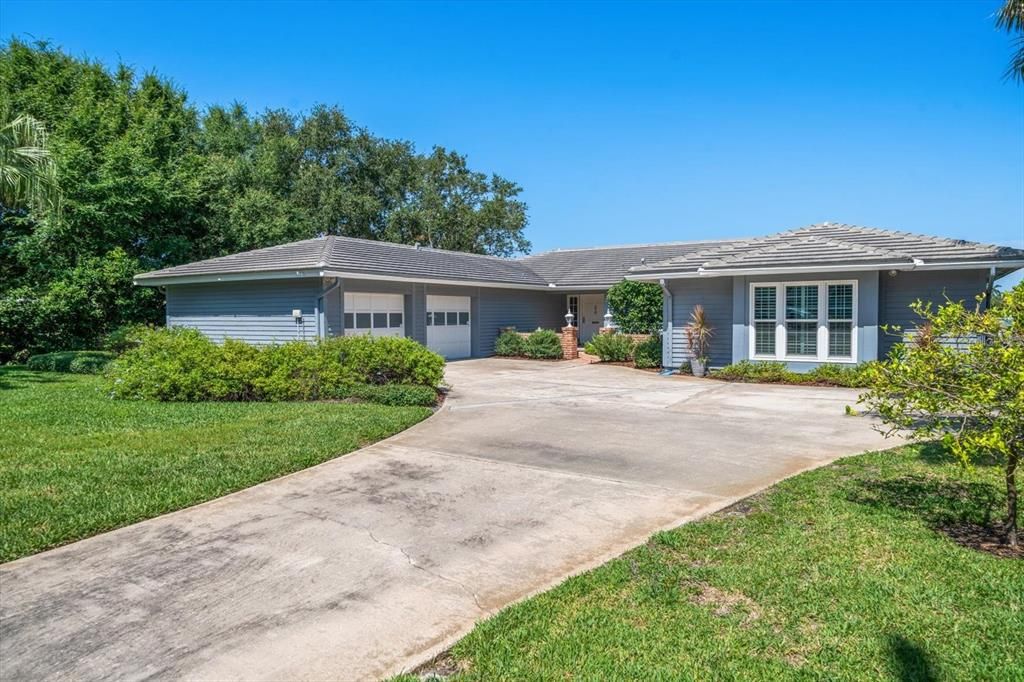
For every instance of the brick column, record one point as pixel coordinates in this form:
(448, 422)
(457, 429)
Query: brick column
(570, 347)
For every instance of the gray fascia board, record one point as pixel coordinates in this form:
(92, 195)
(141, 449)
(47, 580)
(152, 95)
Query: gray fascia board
(164, 280)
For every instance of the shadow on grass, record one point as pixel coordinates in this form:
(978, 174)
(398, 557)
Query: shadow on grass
(970, 513)
(936, 453)
(910, 662)
(14, 377)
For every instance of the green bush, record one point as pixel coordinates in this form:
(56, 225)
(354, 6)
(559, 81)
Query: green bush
(611, 347)
(851, 376)
(73, 361)
(398, 395)
(510, 344)
(543, 344)
(636, 306)
(647, 354)
(183, 365)
(124, 337)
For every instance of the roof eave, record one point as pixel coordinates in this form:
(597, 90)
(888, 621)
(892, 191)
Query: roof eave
(156, 280)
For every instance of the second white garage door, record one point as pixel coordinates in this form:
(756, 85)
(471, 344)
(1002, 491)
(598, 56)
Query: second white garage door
(448, 329)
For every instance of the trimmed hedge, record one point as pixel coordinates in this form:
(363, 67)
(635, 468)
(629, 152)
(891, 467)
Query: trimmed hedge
(510, 344)
(647, 354)
(849, 376)
(397, 395)
(613, 347)
(184, 365)
(543, 344)
(73, 361)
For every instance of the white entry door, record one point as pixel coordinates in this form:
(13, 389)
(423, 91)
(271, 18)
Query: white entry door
(448, 330)
(376, 314)
(591, 315)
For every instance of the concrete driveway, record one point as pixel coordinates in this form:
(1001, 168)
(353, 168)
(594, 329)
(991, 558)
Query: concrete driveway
(365, 565)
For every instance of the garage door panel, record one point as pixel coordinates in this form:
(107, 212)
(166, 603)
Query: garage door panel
(376, 314)
(448, 326)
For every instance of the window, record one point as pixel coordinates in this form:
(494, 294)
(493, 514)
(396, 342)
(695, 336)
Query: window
(840, 321)
(438, 319)
(350, 321)
(804, 321)
(362, 320)
(453, 319)
(463, 319)
(380, 320)
(395, 320)
(764, 321)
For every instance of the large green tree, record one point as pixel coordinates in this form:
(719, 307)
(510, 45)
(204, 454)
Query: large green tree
(149, 181)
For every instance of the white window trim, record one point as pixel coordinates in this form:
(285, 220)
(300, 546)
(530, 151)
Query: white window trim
(822, 322)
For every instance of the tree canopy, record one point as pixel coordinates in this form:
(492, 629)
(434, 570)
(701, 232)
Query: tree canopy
(148, 181)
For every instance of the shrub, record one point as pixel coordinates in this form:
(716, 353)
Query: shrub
(851, 376)
(124, 337)
(74, 361)
(636, 306)
(510, 344)
(611, 347)
(398, 395)
(647, 354)
(184, 365)
(543, 344)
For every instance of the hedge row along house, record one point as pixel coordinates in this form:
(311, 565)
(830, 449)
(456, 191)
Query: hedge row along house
(812, 295)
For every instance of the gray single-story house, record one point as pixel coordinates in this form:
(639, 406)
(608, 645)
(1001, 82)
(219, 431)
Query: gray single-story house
(807, 296)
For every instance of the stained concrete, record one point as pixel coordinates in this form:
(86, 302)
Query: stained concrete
(368, 564)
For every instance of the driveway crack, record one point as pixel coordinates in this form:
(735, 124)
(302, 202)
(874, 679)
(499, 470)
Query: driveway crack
(408, 557)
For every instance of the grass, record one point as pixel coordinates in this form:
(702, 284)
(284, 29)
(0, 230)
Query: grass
(839, 573)
(74, 463)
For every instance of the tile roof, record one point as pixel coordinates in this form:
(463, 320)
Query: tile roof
(831, 246)
(363, 256)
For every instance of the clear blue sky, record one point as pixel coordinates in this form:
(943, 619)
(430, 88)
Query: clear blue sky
(629, 122)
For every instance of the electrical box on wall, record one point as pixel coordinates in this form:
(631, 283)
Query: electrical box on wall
(297, 314)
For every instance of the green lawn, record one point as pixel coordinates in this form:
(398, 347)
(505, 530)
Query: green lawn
(74, 463)
(836, 574)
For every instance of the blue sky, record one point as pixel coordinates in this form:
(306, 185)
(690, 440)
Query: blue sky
(629, 122)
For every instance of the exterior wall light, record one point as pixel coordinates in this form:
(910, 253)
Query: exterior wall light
(568, 318)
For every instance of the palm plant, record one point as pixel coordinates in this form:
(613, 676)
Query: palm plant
(698, 334)
(28, 172)
(1010, 18)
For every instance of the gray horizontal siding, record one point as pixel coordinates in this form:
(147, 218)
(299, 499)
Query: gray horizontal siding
(897, 293)
(715, 294)
(258, 312)
(524, 310)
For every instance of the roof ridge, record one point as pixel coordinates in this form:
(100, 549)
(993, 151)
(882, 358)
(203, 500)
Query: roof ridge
(417, 247)
(953, 241)
(683, 242)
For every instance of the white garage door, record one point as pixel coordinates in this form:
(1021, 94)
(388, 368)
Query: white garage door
(377, 314)
(448, 326)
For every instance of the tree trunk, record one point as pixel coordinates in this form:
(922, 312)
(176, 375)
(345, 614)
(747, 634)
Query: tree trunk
(1011, 498)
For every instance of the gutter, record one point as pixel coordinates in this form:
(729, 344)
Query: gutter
(666, 348)
(321, 312)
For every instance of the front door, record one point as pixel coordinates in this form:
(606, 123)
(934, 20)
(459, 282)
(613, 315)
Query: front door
(591, 315)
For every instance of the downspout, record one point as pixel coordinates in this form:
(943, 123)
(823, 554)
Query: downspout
(666, 346)
(321, 318)
(990, 286)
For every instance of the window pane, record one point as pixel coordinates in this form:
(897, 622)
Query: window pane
(380, 320)
(764, 338)
(396, 320)
(453, 319)
(463, 319)
(764, 303)
(840, 336)
(438, 319)
(802, 303)
(350, 321)
(840, 301)
(362, 320)
(801, 338)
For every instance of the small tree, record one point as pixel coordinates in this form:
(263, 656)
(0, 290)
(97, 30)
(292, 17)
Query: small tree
(636, 306)
(961, 379)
